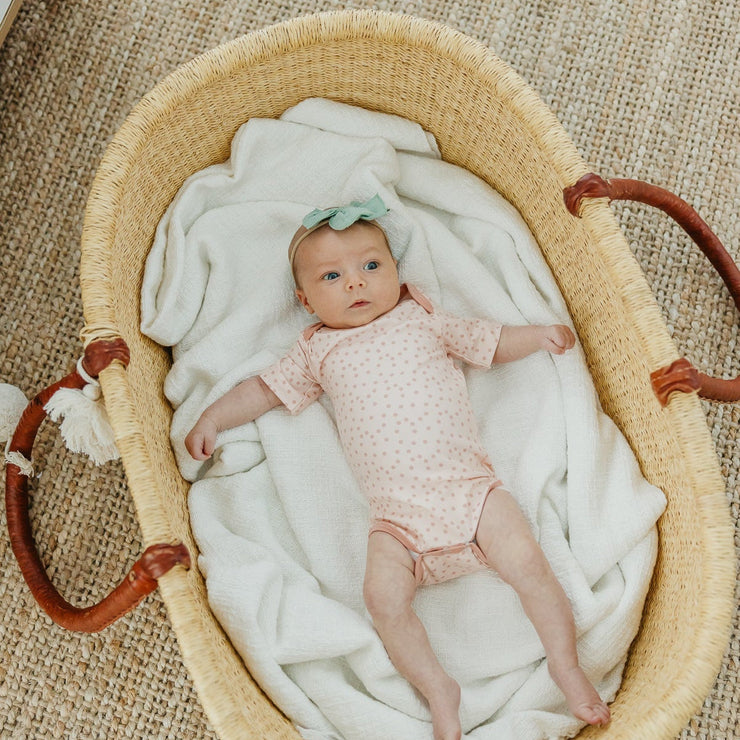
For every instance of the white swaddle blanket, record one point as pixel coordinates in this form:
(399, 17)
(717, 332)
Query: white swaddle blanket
(279, 520)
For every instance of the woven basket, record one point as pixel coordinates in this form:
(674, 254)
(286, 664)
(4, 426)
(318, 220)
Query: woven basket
(487, 120)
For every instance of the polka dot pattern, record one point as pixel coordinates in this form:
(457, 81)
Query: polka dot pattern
(403, 415)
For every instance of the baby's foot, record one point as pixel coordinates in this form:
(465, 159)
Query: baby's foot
(583, 699)
(445, 709)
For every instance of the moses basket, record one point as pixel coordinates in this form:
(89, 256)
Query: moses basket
(486, 119)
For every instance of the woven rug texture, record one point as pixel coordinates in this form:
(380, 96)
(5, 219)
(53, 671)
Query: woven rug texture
(646, 89)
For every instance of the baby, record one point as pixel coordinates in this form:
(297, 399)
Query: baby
(385, 358)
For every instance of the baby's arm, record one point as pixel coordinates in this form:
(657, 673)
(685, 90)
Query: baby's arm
(243, 403)
(517, 342)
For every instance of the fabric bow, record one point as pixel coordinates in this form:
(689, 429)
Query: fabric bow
(342, 217)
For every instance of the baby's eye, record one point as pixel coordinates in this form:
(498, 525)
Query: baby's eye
(330, 276)
(372, 265)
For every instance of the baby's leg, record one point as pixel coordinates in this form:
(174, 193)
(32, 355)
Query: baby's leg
(507, 541)
(389, 589)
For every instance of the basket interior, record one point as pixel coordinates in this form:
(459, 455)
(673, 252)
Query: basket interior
(484, 119)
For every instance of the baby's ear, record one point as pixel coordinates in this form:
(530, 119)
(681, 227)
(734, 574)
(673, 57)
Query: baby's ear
(304, 301)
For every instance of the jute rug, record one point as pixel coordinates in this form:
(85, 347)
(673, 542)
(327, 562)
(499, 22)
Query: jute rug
(646, 89)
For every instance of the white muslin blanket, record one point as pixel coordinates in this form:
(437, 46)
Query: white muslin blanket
(279, 520)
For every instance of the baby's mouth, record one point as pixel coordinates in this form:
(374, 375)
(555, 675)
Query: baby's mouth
(359, 304)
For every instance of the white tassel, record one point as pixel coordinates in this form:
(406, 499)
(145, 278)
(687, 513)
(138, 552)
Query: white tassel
(85, 427)
(13, 403)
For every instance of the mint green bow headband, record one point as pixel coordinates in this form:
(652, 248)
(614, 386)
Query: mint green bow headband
(342, 217)
(338, 218)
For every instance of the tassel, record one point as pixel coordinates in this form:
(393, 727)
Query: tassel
(13, 403)
(84, 423)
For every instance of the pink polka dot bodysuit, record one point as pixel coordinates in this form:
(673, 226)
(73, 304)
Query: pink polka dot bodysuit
(406, 423)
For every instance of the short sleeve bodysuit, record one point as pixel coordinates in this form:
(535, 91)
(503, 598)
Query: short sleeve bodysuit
(404, 418)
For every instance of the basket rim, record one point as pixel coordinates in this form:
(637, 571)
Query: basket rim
(337, 25)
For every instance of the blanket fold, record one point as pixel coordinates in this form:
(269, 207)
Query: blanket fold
(279, 520)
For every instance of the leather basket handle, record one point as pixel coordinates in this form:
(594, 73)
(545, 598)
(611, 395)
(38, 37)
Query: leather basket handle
(681, 375)
(142, 578)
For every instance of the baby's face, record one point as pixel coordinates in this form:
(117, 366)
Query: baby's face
(347, 278)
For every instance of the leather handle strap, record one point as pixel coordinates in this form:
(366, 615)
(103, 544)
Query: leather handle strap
(593, 186)
(141, 579)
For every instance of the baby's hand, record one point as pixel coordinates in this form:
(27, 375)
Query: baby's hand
(201, 441)
(557, 339)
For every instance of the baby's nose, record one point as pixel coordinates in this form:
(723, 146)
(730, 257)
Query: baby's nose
(355, 281)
